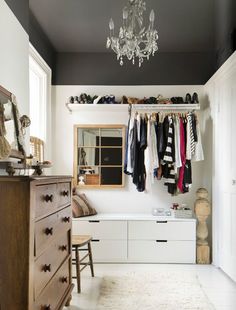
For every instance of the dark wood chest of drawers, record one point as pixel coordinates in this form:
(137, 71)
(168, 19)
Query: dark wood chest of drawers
(35, 243)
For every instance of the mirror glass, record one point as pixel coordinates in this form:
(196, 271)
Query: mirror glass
(99, 155)
(10, 127)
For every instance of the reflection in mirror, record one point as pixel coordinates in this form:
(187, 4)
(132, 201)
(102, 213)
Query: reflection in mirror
(88, 156)
(111, 137)
(88, 137)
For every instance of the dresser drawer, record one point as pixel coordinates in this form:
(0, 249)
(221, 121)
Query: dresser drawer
(162, 252)
(52, 295)
(48, 263)
(46, 200)
(109, 250)
(64, 194)
(105, 230)
(163, 230)
(50, 227)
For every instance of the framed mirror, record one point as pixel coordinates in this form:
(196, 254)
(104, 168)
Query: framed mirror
(99, 155)
(11, 138)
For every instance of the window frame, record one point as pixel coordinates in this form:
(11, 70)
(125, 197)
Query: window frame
(48, 84)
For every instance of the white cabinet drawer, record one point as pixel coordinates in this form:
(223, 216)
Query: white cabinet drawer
(162, 252)
(109, 250)
(105, 230)
(162, 230)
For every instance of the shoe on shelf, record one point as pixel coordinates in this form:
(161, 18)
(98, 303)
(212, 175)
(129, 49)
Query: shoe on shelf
(71, 99)
(76, 99)
(195, 98)
(112, 99)
(188, 98)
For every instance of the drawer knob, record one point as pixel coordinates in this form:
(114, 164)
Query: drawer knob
(64, 280)
(47, 307)
(47, 268)
(66, 219)
(49, 231)
(48, 198)
(63, 248)
(65, 193)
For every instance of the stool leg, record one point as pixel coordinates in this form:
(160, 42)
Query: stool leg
(77, 269)
(90, 259)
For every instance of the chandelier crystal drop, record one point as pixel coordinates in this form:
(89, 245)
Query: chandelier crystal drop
(134, 40)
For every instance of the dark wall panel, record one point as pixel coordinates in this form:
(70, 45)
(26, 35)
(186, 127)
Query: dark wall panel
(21, 10)
(40, 42)
(162, 69)
(225, 29)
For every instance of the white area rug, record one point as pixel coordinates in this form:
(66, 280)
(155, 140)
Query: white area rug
(158, 291)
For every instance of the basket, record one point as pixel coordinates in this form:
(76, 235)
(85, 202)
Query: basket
(188, 214)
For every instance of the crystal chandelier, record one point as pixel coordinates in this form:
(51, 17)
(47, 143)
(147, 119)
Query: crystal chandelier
(134, 39)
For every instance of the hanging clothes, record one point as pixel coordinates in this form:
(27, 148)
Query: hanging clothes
(198, 156)
(139, 170)
(169, 160)
(162, 147)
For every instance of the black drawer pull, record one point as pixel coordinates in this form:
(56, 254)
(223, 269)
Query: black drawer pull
(47, 268)
(49, 231)
(64, 280)
(161, 222)
(48, 198)
(63, 248)
(66, 219)
(161, 240)
(95, 240)
(94, 221)
(65, 193)
(47, 307)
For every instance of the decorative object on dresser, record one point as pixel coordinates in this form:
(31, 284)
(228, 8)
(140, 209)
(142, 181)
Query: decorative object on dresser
(202, 209)
(35, 238)
(79, 244)
(139, 238)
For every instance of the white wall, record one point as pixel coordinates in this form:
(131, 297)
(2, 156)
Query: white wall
(14, 57)
(220, 91)
(126, 199)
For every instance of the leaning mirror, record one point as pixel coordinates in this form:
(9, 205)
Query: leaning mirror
(99, 155)
(11, 137)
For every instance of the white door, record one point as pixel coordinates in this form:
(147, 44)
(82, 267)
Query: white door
(227, 180)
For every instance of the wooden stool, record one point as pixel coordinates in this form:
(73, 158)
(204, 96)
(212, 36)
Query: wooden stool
(78, 242)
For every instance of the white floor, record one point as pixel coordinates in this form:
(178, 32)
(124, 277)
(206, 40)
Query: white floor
(220, 289)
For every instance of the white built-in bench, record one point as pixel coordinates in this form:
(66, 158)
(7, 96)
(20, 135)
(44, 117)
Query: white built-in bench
(139, 238)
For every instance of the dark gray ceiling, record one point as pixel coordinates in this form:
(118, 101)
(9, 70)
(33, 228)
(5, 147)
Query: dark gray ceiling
(82, 25)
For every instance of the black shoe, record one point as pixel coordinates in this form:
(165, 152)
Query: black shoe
(174, 100)
(180, 100)
(195, 98)
(188, 98)
(76, 99)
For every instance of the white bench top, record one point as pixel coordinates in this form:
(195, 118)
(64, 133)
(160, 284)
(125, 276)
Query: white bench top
(131, 217)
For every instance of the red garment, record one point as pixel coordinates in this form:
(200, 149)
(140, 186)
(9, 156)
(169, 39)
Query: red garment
(182, 155)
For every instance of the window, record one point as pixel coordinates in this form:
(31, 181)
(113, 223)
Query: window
(39, 96)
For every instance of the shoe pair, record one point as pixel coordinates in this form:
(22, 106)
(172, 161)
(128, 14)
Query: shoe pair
(193, 99)
(177, 100)
(107, 100)
(74, 99)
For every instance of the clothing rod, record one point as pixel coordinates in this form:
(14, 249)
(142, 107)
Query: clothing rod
(166, 107)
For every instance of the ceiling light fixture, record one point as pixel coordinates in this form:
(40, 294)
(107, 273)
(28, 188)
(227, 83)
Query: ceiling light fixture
(134, 40)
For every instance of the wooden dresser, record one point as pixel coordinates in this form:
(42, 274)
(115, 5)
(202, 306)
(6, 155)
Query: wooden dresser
(35, 241)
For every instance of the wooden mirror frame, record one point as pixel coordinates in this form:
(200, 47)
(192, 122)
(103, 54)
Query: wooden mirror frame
(6, 96)
(99, 186)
